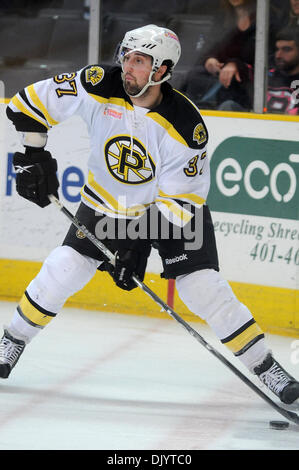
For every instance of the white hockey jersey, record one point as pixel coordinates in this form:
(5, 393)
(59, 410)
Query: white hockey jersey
(138, 156)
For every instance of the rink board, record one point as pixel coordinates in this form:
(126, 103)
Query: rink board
(274, 308)
(254, 203)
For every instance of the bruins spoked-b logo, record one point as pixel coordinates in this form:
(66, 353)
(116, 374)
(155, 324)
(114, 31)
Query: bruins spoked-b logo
(128, 161)
(199, 134)
(94, 74)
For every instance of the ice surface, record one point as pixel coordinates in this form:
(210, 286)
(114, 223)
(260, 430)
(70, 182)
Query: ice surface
(94, 380)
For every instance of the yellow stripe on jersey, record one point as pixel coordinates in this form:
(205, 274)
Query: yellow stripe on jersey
(94, 203)
(111, 200)
(243, 338)
(31, 313)
(177, 210)
(33, 95)
(168, 127)
(117, 208)
(103, 193)
(17, 103)
(190, 197)
(191, 102)
(113, 100)
(130, 212)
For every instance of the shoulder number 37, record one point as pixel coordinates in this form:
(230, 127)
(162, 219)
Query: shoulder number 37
(68, 79)
(192, 169)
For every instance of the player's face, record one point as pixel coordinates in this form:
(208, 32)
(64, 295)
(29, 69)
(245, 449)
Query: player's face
(286, 55)
(136, 70)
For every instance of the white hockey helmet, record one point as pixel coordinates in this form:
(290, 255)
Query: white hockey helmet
(158, 42)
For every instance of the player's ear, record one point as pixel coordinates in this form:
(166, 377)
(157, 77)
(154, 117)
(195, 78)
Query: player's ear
(160, 72)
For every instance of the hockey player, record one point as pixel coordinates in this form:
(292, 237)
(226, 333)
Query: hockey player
(148, 150)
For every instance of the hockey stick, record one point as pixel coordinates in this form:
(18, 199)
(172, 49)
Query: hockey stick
(290, 415)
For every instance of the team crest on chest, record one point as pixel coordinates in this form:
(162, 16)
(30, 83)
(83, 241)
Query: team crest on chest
(128, 161)
(94, 75)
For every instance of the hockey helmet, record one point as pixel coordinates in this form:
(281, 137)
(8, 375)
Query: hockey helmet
(160, 43)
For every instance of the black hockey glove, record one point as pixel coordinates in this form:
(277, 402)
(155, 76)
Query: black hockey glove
(36, 176)
(128, 261)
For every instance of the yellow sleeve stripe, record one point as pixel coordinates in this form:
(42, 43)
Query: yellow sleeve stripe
(32, 315)
(40, 105)
(15, 101)
(168, 127)
(177, 210)
(190, 197)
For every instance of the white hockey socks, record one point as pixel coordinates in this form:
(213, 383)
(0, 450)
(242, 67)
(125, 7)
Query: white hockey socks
(210, 297)
(63, 273)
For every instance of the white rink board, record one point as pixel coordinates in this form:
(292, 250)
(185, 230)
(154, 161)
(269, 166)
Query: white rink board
(263, 259)
(263, 249)
(29, 233)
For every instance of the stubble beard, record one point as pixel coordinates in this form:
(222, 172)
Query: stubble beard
(131, 89)
(287, 67)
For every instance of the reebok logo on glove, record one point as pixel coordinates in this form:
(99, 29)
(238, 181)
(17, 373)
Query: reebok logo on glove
(36, 176)
(21, 169)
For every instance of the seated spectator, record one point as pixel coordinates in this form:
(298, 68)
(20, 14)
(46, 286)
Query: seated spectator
(294, 13)
(224, 77)
(283, 79)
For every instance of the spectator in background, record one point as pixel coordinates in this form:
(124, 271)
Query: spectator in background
(283, 79)
(224, 77)
(294, 13)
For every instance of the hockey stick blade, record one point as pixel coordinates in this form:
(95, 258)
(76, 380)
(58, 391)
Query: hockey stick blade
(290, 415)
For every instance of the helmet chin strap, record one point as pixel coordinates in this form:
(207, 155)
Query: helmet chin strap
(148, 84)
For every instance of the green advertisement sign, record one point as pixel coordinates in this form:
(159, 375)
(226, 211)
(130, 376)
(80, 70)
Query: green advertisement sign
(255, 177)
